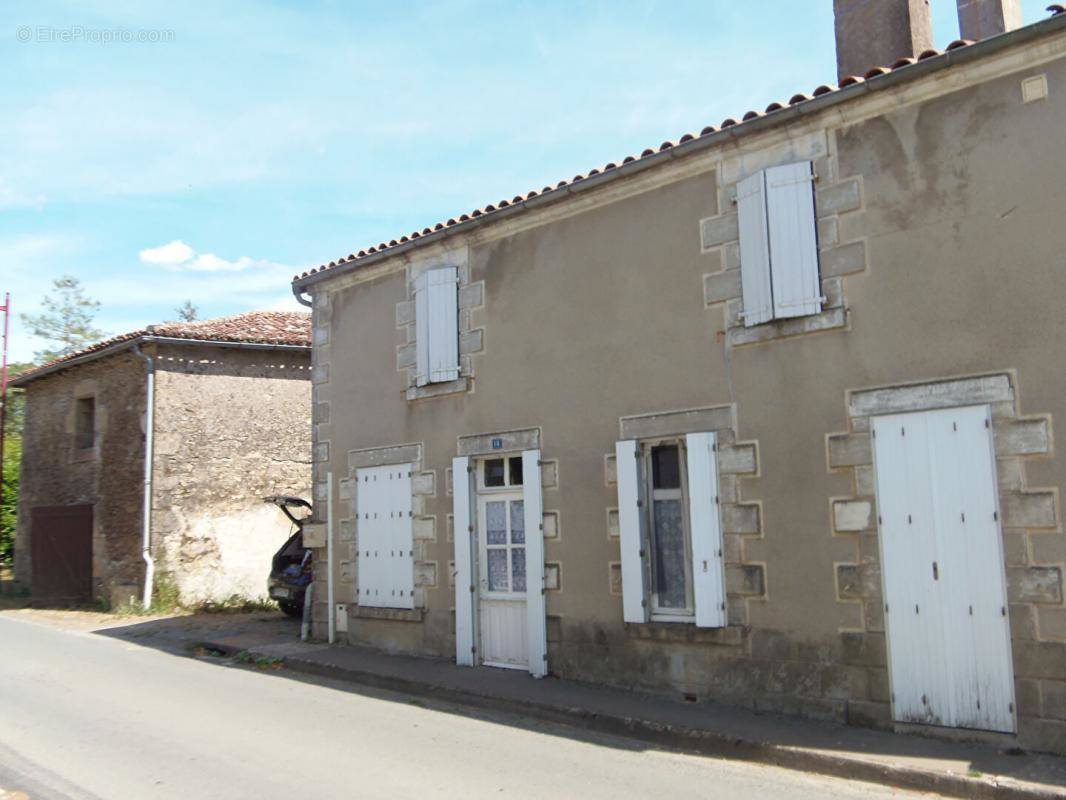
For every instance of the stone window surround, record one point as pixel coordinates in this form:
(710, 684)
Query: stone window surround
(470, 297)
(423, 530)
(1030, 517)
(479, 445)
(741, 520)
(719, 236)
(85, 390)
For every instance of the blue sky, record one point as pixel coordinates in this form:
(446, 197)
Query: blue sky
(264, 138)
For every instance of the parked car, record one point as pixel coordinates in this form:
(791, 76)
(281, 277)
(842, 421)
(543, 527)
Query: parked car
(291, 569)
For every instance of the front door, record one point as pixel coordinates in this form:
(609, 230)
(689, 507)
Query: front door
(502, 565)
(942, 564)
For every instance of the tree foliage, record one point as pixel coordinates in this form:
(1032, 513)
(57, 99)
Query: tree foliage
(12, 459)
(66, 322)
(187, 312)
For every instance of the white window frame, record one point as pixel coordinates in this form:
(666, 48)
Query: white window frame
(657, 613)
(507, 485)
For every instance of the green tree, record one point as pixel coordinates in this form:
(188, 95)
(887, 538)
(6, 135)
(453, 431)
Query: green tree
(187, 312)
(66, 322)
(8, 516)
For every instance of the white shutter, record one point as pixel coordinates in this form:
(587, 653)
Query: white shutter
(754, 250)
(385, 540)
(443, 304)
(421, 330)
(464, 562)
(631, 528)
(793, 240)
(533, 506)
(705, 528)
(401, 545)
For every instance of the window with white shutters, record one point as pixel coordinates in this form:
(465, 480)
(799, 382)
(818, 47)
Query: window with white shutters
(778, 244)
(437, 326)
(671, 537)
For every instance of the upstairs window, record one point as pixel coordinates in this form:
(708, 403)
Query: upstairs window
(437, 326)
(85, 423)
(779, 244)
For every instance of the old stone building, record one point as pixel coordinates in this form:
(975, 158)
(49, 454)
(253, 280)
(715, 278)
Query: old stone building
(229, 420)
(762, 415)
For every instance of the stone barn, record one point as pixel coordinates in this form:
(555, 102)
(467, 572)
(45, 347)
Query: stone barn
(221, 407)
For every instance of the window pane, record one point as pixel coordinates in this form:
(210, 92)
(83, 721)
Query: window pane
(669, 554)
(496, 522)
(666, 472)
(518, 522)
(85, 423)
(494, 472)
(498, 570)
(518, 569)
(515, 466)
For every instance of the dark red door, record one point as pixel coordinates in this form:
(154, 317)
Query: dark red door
(62, 552)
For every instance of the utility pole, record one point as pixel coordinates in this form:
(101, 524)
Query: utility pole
(6, 308)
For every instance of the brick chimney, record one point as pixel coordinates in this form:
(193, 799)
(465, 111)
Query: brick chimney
(872, 33)
(980, 19)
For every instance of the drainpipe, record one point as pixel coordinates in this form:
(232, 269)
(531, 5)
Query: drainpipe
(332, 626)
(146, 523)
(298, 294)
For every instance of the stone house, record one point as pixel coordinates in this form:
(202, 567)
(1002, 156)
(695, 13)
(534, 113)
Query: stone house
(762, 415)
(222, 405)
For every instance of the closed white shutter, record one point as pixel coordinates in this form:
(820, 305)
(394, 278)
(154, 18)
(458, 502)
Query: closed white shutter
(422, 330)
(443, 304)
(384, 537)
(705, 528)
(533, 506)
(945, 595)
(793, 240)
(631, 528)
(754, 250)
(462, 488)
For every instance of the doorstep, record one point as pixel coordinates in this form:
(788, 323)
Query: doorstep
(959, 769)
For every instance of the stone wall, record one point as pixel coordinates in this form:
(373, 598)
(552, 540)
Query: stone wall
(232, 426)
(109, 476)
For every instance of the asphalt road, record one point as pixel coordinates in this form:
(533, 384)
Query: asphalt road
(87, 716)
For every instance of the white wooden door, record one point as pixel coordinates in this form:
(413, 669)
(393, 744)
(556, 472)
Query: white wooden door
(942, 569)
(502, 580)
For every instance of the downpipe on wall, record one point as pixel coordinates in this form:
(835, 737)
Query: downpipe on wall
(146, 521)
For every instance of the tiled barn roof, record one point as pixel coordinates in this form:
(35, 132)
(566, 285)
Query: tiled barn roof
(252, 327)
(796, 99)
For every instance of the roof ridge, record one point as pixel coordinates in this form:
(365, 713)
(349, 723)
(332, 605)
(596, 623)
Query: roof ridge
(728, 122)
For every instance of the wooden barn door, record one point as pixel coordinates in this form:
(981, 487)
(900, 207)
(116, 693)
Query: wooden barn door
(62, 552)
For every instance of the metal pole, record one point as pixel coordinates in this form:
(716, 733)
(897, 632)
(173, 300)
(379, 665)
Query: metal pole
(6, 308)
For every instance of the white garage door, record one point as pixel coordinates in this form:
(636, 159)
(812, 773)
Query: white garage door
(945, 596)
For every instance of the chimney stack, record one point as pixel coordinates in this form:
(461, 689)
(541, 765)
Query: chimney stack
(980, 19)
(873, 33)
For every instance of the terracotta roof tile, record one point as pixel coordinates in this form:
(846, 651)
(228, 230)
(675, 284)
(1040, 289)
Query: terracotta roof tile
(253, 327)
(796, 99)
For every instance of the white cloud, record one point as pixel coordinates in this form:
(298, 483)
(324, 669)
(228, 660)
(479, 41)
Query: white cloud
(178, 256)
(170, 254)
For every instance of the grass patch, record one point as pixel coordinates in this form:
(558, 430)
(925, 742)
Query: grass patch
(259, 662)
(166, 599)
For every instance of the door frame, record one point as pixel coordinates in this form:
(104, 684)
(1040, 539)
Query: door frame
(483, 494)
(1002, 571)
